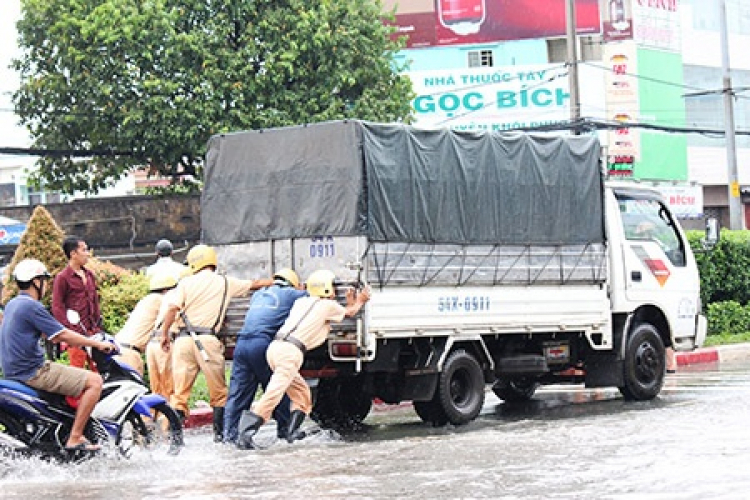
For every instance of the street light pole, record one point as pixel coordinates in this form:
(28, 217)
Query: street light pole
(575, 100)
(736, 216)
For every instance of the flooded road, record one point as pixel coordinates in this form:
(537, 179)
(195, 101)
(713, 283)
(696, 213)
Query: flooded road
(691, 442)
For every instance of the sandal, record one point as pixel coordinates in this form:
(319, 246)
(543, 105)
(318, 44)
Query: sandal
(83, 446)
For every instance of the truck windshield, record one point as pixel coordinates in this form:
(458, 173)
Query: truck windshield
(649, 220)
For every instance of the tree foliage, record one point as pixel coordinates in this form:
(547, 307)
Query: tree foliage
(157, 78)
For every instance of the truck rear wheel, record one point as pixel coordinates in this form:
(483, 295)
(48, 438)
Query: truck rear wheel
(341, 404)
(431, 412)
(644, 364)
(460, 389)
(515, 390)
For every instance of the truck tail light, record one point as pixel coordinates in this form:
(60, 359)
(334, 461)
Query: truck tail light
(344, 349)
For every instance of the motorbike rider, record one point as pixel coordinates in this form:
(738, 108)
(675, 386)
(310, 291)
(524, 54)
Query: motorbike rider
(26, 320)
(306, 328)
(268, 309)
(203, 298)
(139, 327)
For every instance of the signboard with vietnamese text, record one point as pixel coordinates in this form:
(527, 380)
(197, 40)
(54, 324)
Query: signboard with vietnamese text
(656, 24)
(491, 98)
(686, 201)
(622, 102)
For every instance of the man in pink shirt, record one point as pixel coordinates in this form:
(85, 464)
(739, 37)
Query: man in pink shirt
(75, 288)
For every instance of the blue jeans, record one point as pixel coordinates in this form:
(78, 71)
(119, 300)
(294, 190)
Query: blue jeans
(249, 369)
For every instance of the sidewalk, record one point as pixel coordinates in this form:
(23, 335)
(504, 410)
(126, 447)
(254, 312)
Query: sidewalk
(723, 353)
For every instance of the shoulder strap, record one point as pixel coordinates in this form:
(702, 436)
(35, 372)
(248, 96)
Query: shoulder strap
(223, 301)
(294, 328)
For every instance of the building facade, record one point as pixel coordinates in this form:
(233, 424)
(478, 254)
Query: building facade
(500, 64)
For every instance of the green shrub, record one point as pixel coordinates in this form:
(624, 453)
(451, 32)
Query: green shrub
(727, 317)
(725, 270)
(118, 300)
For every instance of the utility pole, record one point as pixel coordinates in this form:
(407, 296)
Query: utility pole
(736, 215)
(575, 99)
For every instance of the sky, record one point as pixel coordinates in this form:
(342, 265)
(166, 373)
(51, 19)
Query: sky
(11, 134)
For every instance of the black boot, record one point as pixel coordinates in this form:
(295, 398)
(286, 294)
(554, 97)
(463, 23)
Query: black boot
(295, 420)
(218, 424)
(250, 423)
(181, 415)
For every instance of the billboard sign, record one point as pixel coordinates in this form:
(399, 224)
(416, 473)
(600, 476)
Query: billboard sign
(452, 22)
(491, 98)
(617, 20)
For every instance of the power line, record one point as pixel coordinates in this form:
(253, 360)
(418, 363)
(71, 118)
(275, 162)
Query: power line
(60, 153)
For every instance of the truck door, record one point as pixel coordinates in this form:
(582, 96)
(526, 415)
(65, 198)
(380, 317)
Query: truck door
(659, 268)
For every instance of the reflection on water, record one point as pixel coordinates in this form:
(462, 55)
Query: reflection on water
(691, 442)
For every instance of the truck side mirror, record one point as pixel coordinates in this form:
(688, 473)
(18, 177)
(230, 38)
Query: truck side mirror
(713, 233)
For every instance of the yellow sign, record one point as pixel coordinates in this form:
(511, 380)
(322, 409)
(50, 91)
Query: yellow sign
(735, 189)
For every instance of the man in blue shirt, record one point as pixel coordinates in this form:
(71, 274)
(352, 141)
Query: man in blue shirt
(268, 310)
(22, 356)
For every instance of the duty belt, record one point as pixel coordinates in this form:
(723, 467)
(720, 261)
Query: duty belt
(131, 346)
(198, 330)
(285, 337)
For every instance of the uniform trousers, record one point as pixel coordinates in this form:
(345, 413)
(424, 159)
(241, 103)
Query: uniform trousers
(285, 359)
(159, 364)
(187, 362)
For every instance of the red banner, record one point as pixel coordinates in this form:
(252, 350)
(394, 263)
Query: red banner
(451, 22)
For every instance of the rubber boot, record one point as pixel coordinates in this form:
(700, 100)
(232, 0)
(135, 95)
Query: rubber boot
(218, 424)
(250, 423)
(295, 420)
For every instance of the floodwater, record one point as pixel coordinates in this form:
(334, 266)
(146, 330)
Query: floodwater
(693, 441)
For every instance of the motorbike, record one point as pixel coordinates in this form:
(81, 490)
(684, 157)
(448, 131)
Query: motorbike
(37, 423)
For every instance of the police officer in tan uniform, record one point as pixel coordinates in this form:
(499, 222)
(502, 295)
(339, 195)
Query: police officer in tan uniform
(139, 327)
(158, 361)
(306, 328)
(203, 298)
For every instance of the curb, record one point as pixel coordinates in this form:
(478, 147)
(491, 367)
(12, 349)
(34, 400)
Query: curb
(718, 354)
(200, 417)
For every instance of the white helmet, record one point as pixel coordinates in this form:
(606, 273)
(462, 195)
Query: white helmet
(28, 269)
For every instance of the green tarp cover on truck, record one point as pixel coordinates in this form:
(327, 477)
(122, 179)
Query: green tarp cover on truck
(397, 183)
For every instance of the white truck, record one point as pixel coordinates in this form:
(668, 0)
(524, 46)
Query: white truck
(501, 259)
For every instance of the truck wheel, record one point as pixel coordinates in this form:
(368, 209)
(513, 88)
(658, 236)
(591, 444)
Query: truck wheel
(460, 388)
(431, 412)
(515, 390)
(644, 364)
(341, 404)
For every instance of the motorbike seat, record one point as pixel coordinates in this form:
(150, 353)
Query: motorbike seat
(19, 387)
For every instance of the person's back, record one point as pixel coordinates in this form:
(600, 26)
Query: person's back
(269, 308)
(165, 264)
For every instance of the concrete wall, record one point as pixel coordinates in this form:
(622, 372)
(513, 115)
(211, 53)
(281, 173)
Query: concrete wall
(124, 227)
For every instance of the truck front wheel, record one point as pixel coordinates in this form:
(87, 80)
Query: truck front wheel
(460, 389)
(644, 364)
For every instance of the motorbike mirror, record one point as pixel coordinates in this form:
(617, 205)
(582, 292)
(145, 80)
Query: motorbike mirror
(73, 317)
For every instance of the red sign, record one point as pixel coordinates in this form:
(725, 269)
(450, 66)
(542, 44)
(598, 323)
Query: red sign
(451, 22)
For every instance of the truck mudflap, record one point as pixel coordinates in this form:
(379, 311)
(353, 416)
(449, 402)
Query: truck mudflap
(701, 330)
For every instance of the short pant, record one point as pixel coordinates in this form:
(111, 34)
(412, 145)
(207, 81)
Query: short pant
(59, 379)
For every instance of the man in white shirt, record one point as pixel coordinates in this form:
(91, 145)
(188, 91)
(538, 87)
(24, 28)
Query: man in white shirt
(164, 263)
